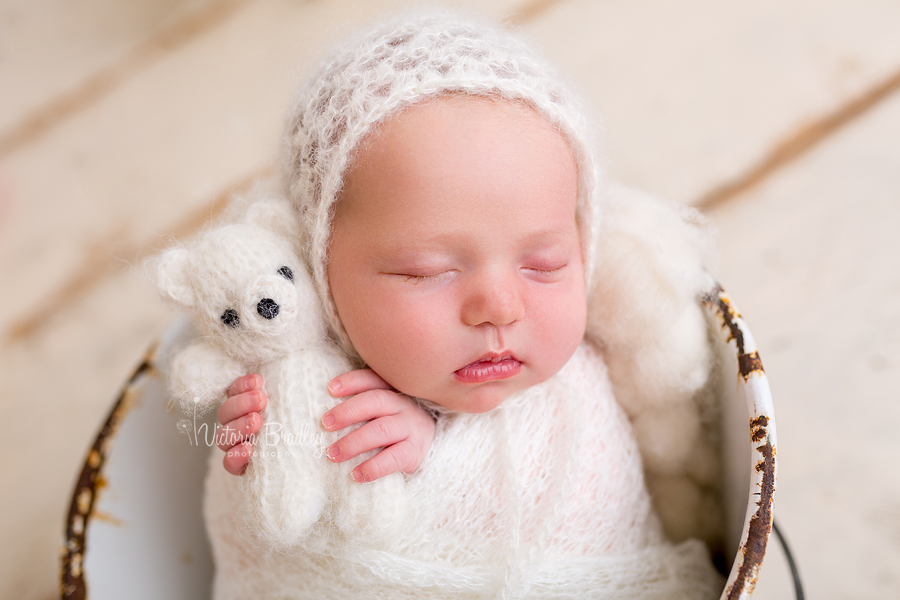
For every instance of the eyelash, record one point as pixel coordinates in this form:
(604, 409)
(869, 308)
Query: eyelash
(548, 271)
(416, 279)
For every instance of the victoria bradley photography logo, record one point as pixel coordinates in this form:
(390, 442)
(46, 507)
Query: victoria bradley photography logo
(273, 437)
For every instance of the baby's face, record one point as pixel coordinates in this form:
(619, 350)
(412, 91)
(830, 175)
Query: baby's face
(455, 262)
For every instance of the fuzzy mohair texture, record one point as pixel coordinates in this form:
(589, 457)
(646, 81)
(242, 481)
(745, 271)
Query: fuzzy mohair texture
(256, 310)
(645, 316)
(543, 497)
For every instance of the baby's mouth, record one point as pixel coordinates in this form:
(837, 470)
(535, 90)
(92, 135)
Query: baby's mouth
(490, 367)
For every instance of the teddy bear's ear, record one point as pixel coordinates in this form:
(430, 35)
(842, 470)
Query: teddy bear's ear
(274, 214)
(170, 273)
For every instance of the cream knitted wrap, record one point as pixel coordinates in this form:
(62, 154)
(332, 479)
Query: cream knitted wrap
(645, 262)
(396, 64)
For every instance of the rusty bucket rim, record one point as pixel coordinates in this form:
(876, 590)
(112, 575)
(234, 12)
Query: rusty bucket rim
(754, 385)
(90, 481)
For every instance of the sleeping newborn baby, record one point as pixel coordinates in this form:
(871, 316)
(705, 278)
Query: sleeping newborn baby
(452, 222)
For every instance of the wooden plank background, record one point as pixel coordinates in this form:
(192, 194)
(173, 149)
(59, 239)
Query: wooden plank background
(125, 125)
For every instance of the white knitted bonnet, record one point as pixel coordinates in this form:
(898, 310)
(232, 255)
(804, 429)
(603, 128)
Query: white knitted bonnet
(398, 63)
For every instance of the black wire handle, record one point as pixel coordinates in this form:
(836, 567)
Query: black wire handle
(795, 574)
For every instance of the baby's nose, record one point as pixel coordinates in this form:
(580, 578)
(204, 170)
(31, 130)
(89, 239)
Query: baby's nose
(267, 308)
(496, 301)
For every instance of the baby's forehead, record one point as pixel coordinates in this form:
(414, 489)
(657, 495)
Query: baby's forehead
(454, 139)
(448, 169)
(462, 124)
(459, 108)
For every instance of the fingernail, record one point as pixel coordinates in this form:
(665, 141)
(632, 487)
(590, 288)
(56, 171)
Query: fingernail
(334, 386)
(357, 476)
(332, 452)
(256, 399)
(328, 420)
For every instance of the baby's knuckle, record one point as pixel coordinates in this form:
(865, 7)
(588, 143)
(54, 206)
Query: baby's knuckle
(393, 461)
(382, 428)
(346, 412)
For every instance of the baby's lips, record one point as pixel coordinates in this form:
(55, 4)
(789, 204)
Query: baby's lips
(489, 370)
(491, 357)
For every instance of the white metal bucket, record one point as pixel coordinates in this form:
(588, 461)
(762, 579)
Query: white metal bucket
(135, 528)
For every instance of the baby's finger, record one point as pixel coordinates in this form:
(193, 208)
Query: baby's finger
(246, 383)
(240, 405)
(398, 457)
(379, 433)
(236, 459)
(356, 382)
(363, 407)
(238, 430)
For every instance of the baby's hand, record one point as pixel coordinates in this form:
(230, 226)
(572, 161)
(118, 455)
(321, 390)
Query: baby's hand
(240, 418)
(395, 422)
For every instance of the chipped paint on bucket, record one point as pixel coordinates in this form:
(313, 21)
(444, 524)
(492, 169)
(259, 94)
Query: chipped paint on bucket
(135, 525)
(752, 389)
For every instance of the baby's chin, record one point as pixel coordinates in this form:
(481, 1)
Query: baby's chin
(479, 399)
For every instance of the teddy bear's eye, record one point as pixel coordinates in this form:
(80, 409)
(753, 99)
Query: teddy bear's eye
(231, 318)
(286, 273)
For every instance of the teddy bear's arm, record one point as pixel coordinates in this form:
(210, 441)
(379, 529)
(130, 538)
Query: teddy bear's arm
(201, 374)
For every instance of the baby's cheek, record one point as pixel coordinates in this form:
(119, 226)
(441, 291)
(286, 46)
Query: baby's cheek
(368, 318)
(563, 329)
(396, 341)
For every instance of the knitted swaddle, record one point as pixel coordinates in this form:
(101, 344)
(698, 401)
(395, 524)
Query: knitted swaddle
(541, 498)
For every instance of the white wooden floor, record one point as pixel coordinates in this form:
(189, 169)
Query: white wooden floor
(123, 124)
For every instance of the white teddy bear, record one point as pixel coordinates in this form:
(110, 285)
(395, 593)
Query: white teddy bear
(257, 312)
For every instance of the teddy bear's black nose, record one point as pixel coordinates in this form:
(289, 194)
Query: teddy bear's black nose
(267, 308)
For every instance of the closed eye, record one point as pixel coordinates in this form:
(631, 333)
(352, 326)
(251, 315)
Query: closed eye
(431, 278)
(547, 273)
